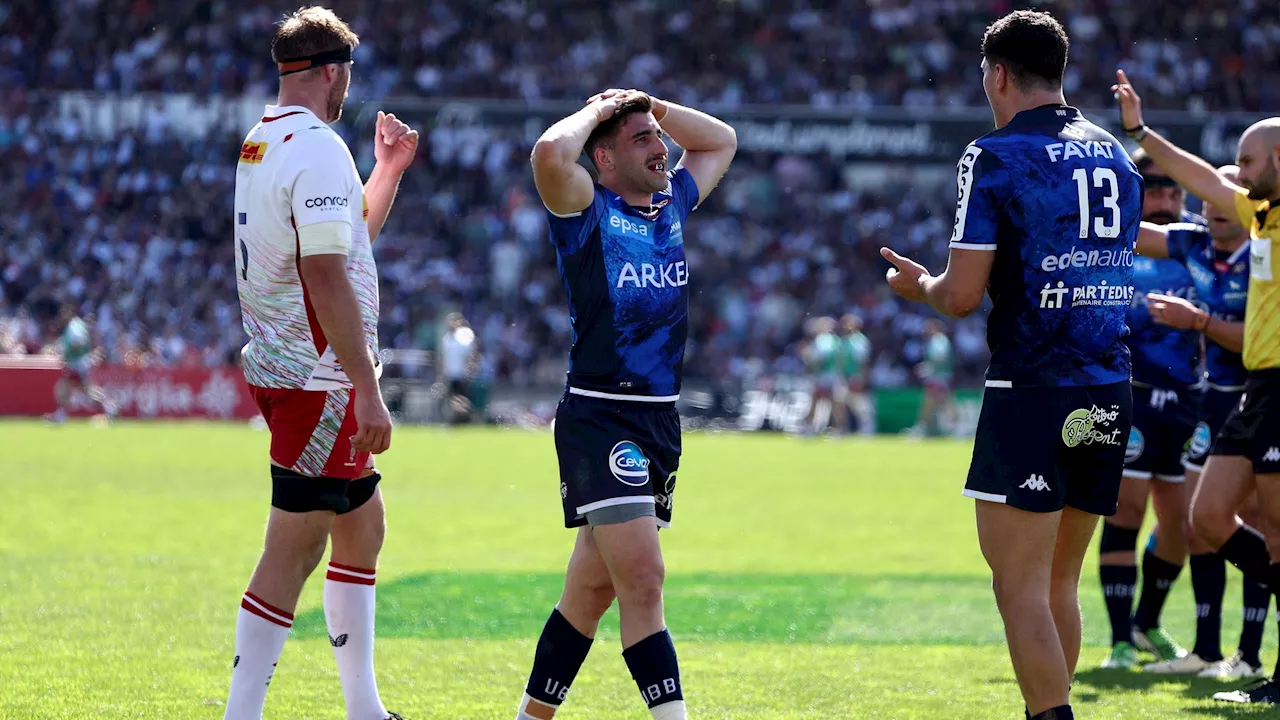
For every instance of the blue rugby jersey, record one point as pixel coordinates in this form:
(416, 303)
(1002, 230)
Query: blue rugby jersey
(1059, 202)
(624, 271)
(1222, 288)
(1163, 357)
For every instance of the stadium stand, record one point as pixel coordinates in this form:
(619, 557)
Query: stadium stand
(133, 229)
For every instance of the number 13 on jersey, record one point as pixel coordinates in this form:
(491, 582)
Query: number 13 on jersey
(1101, 176)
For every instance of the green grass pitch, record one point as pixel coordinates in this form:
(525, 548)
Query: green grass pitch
(806, 579)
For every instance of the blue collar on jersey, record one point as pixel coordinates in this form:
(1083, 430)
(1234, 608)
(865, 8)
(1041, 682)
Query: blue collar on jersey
(662, 199)
(1037, 114)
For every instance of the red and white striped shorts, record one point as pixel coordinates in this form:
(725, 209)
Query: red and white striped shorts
(311, 431)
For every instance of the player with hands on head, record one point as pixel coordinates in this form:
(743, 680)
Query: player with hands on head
(620, 252)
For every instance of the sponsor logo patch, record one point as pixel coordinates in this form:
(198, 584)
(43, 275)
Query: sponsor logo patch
(1086, 427)
(628, 464)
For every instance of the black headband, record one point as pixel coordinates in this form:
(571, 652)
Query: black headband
(341, 55)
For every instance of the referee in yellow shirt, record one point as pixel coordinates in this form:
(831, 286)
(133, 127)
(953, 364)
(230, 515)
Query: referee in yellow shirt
(1247, 449)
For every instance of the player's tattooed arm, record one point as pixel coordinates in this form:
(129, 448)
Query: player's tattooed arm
(957, 292)
(709, 143)
(565, 186)
(1190, 171)
(1153, 241)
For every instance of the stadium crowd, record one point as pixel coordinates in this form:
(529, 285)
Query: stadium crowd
(134, 233)
(134, 230)
(854, 53)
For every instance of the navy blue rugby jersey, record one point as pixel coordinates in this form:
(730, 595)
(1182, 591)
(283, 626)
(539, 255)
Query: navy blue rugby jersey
(1222, 288)
(1162, 356)
(1059, 202)
(624, 271)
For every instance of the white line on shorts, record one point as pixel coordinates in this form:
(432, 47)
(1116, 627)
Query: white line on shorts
(989, 497)
(625, 500)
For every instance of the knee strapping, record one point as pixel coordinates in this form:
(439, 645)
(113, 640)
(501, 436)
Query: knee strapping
(1118, 539)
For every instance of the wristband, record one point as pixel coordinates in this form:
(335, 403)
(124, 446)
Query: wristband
(1138, 133)
(665, 109)
(1201, 322)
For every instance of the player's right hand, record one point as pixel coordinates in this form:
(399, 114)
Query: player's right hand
(904, 276)
(373, 424)
(1130, 103)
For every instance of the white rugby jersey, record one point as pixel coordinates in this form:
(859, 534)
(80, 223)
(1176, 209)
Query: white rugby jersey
(295, 171)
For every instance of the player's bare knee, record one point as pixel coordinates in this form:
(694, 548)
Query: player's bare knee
(593, 595)
(1064, 589)
(310, 553)
(1013, 592)
(1211, 523)
(367, 537)
(302, 548)
(641, 585)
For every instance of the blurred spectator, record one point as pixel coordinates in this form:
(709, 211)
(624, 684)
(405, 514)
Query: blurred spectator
(459, 363)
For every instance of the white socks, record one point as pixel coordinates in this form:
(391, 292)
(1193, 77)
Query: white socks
(261, 630)
(531, 709)
(348, 611)
(673, 710)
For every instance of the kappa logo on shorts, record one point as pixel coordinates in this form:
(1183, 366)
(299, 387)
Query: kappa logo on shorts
(1082, 427)
(1273, 455)
(628, 463)
(1035, 482)
(1137, 444)
(1200, 441)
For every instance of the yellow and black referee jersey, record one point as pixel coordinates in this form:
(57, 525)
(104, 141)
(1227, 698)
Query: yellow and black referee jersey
(1262, 314)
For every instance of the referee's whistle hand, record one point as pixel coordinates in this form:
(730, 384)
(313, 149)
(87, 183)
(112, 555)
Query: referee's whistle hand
(904, 276)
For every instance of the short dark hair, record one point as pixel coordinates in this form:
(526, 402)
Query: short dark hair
(309, 31)
(605, 132)
(1031, 45)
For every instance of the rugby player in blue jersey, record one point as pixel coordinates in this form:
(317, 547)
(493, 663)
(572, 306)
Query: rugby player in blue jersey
(620, 251)
(1046, 219)
(1216, 256)
(1166, 381)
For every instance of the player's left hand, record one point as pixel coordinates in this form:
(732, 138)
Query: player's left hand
(905, 276)
(395, 144)
(1175, 312)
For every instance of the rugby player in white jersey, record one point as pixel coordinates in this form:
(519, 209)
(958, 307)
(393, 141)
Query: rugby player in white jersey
(308, 288)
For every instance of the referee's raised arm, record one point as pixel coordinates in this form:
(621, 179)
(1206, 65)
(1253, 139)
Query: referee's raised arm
(1190, 171)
